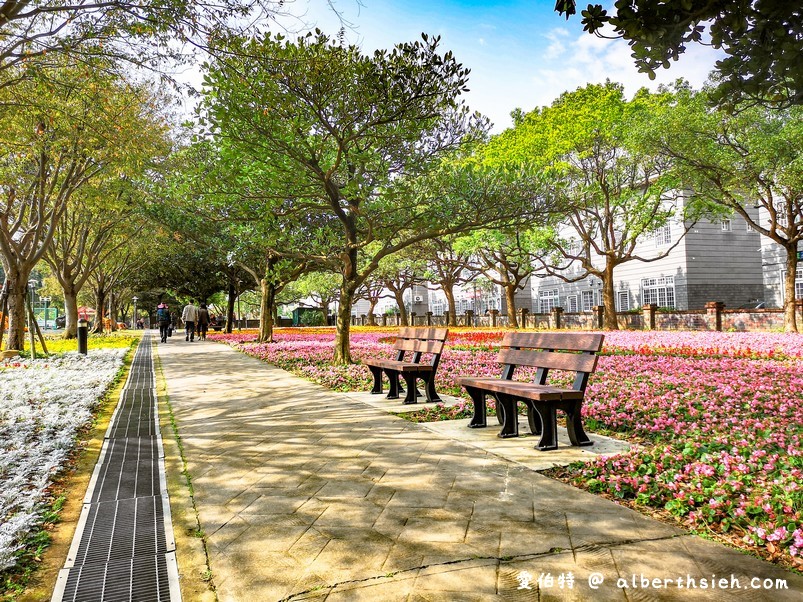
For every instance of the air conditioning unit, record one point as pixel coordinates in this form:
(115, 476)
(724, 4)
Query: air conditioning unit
(418, 299)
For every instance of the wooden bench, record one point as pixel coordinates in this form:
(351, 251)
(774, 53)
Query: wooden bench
(545, 351)
(417, 342)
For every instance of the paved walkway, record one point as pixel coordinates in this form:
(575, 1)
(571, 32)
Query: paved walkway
(308, 495)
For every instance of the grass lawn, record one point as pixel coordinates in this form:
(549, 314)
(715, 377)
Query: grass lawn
(719, 417)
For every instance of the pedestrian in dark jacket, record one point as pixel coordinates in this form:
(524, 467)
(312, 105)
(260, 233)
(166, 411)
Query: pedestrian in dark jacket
(203, 321)
(163, 317)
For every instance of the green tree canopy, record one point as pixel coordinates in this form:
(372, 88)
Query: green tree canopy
(357, 146)
(762, 39)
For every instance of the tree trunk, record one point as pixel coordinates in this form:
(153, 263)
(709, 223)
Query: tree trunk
(325, 311)
(399, 295)
(371, 306)
(70, 315)
(17, 289)
(510, 297)
(112, 313)
(342, 354)
(230, 308)
(100, 301)
(266, 308)
(789, 317)
(451, 318)
(609, 321)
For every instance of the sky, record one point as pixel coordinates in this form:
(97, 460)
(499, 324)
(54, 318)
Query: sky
(521, 53)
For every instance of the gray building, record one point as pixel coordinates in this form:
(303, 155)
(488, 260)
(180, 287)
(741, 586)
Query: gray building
(717, 260)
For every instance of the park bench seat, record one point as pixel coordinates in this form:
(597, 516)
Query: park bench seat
(418, 343)
(567, 352)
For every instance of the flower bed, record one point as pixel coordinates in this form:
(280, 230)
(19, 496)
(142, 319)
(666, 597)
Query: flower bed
(44, 403)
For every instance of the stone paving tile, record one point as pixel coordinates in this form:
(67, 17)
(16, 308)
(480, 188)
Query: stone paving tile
(317, 496)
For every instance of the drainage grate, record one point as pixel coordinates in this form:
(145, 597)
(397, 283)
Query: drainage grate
(140, 579)
(128, 468)
(121, 529)
(123, 548)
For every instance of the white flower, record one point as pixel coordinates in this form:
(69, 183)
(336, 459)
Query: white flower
(43, 404)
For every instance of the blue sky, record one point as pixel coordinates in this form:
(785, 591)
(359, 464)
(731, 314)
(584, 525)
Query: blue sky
(520, 52)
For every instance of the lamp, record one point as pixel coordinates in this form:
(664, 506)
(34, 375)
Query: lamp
(135, 299)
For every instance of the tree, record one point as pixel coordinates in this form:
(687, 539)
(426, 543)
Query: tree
(320, 287)
(351, 140)
(505, 257)
(611, 192)
(761, 38)
(59, 134)
(750, 159)
(448, 268)
(143, 33)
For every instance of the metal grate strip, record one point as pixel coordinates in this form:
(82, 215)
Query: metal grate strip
(143, 578)
(123, 548)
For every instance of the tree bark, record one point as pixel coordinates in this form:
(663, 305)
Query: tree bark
(609, 320)
(399, 296)
(448, 292)
(789, 317)
(100, 301)
(17, 283)
(112, 313)
(371, 306)
(266, 311)
(342, 353)
(230, 308)
(510, 297)
(70, 315)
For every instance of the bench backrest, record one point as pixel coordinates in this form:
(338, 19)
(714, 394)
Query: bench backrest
(546, 351)
(420, 341)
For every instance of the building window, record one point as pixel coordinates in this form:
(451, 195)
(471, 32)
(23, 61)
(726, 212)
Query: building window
(588, 300)
(660, 291)
(623, 300)
(547, 300)
(799, 283)
(571, 301)
(663, 236)
(726, 225)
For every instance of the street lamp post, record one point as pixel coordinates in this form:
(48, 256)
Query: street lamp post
(134, 319)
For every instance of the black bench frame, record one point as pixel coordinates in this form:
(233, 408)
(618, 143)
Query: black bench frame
(416, 341)
(545, 351)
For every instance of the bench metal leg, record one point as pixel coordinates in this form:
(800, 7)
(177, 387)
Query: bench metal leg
(549, 433)
(432, 395)
(500, 411)
(377, 374)
(574, 425)
(510, 428)
(478, 399)
(412, 391)
(533, 418)
(393, 377)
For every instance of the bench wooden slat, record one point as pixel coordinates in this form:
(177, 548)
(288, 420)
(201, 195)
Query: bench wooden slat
(400, 366)
(418, 346)
(554, 340)
(577, 362)
(521, 389)
(427, 333)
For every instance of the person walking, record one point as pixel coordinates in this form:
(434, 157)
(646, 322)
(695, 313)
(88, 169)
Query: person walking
(163, 317)
(203, 321)
(189, 316)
